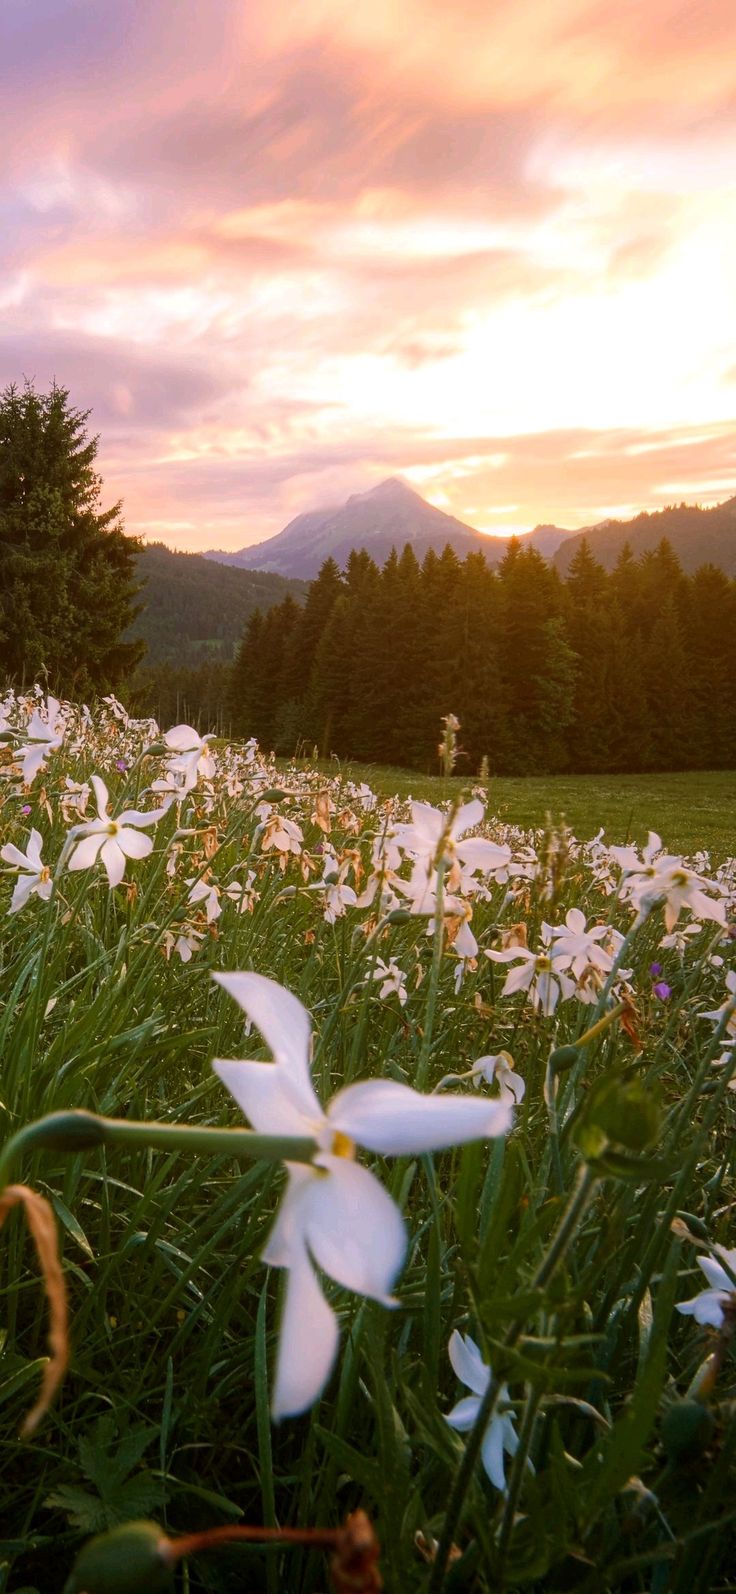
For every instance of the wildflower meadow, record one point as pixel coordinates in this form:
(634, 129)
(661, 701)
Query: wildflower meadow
(367, 1182)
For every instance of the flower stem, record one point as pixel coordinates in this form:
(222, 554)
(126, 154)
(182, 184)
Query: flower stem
(77, 1130)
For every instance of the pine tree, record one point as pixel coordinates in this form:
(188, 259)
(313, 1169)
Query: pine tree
(66, 568)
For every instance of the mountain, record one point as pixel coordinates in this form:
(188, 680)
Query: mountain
(698, 537)
(387, 517)
(547, 539)
(194, 610)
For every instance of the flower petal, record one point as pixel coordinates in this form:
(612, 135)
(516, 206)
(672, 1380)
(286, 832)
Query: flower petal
(86, 850)
(182, 738)
(133, 844)
(354, 1230)
(395, 1120)
(307, 1341)
(283, 1022)
(134, 816)
(266, 1093)
(467, 1362)
(102, 796)
(463, 1415)
(492, 1452)
(114, 861)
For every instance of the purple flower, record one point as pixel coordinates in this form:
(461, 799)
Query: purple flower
(26, 808)
(121, 764)
(655, 969)
(662, 990)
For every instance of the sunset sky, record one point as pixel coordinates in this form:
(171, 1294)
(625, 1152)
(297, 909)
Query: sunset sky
(283, 250)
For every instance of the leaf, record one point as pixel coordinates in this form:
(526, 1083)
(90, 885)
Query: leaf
(72, 1226)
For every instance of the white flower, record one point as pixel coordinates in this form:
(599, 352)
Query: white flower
(511, 1086)
(709, 1307)
(186, 942)
(113, 839)
(394, 980)
(34, 878)
(44, 737)
(573, 946)
(656, 878)
(535, 974)
(726, 1010)
(207, 892)
(194, 757)
(500, 1435)
(431, 832)
(335, 1215)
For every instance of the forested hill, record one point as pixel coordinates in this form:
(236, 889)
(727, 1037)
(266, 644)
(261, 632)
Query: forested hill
(194, 610)
(697, 536)
(632, 669)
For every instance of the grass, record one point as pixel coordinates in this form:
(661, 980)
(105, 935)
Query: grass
(175, 1318)
(690, 810)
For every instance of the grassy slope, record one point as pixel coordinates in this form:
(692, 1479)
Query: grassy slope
(690, 810)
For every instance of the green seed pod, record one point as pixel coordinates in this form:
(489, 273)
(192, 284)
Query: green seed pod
(562, 1058)
(686, 1430)
(273, 795)
(398, 916)
(127, 1560)
(156, 750)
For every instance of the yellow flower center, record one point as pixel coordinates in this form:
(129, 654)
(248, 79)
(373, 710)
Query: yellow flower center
(342, 1145)
(112, 828)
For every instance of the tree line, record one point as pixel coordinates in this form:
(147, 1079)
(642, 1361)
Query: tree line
(631, 670)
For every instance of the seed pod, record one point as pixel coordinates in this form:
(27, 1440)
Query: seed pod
(686, 1430)
(562, 1058)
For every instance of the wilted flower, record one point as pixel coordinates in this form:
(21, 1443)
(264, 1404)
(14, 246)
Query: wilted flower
(335, 1215)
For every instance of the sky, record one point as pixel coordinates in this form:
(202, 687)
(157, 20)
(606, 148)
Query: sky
(284, 250)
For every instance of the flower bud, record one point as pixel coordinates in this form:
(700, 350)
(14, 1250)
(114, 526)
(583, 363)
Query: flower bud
(273, 795)
(562, 1058)
(127, 1560)
(75, 1130)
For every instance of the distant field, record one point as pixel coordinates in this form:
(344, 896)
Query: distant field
(696, 809)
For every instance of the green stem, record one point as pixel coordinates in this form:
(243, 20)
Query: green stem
(78, 1130)
(434, 978)
(568, 1225)
(526, 1431)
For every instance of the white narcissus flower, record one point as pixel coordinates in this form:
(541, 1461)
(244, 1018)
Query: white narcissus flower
(727, 1010)
(113, 840)
(430, 830)
(393, 980)
(43, 737)
(709, 1307)
(34, 877)
(335, 1215)
(194, 757)
(662, 878)
(498, 1070)
(500, 1435)
(207, 892)
(536, 974)
(573, 946)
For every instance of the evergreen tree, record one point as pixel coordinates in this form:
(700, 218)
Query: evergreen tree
(66, 567)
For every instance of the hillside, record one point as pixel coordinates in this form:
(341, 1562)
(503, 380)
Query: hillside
(389, 516)
(194, 609)
(698, 537)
